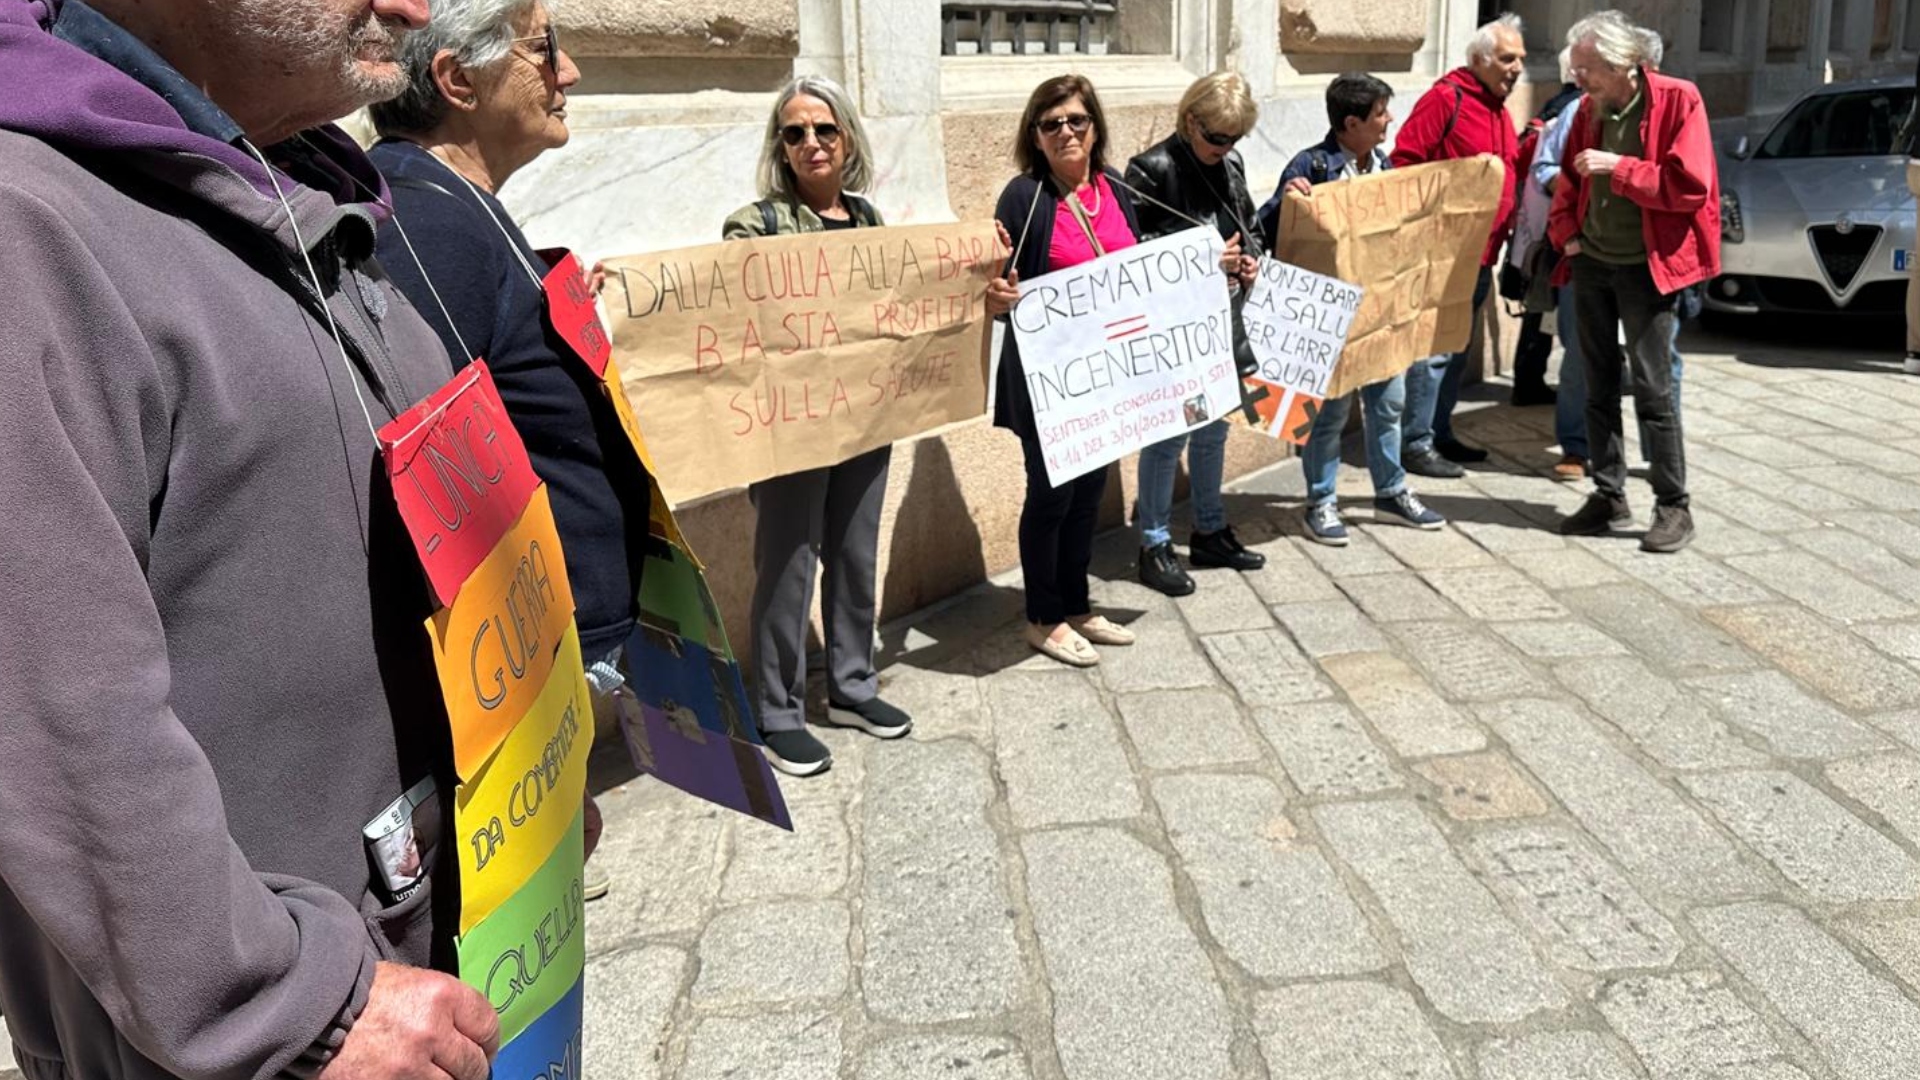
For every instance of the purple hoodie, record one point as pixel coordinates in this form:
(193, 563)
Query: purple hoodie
(213, 673)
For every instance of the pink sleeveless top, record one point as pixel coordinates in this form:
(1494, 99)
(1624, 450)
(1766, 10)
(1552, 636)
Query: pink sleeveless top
(1070, 246)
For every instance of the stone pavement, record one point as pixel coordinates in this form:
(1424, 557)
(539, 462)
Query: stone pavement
(1481, 803)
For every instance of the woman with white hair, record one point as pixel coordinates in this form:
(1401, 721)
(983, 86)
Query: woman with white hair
(486, 94)
(812, 159)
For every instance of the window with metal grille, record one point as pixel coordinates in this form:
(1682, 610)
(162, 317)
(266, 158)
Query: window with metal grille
(1029, 27)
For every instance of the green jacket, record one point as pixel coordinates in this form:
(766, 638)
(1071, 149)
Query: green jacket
(791, 216)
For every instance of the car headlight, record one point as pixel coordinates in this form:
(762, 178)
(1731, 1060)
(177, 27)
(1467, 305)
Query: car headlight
(1733, 228)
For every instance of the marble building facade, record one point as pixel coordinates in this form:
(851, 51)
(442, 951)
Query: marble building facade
(675, 93)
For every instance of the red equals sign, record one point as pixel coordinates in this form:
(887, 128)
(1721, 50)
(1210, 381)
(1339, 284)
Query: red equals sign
(1126, 327)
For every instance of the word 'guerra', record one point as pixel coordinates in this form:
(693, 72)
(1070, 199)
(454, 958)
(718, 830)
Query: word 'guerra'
(802, 273)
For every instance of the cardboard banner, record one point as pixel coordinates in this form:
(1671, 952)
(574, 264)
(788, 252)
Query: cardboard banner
(756, 358)
(496, 644)
(1127, 350)
(1297, 323)
(1411, 239)
(531, 952)
(511, 815)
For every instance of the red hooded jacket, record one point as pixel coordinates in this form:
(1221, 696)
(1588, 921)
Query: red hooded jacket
(1483, 127)
(1676, 185)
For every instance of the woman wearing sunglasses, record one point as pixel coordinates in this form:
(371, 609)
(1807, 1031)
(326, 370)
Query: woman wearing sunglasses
(815, 150)
(1063, 209)
(1193, 175)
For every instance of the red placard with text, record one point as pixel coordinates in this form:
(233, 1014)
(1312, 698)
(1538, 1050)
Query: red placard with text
(460, 475)
(571, 309)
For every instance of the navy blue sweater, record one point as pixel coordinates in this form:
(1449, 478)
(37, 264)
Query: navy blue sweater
(599, 492)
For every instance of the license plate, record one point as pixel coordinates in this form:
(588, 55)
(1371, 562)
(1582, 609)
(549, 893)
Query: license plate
(1902, 258)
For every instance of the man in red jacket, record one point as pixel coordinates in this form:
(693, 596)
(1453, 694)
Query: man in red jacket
(1463, 116)
(1638, 216)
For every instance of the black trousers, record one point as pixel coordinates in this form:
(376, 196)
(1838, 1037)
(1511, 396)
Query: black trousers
(1607, 298)
(1056, 538)
(1531, 352)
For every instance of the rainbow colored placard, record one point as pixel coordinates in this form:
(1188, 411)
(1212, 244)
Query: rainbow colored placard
(693, 727)
(508, 658)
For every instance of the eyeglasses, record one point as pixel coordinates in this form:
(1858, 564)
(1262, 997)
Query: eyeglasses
(549, 48)
(1215, 139)
(1078, 123)
(795, 134)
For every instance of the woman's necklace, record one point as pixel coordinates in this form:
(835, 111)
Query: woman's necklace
(1094, 210)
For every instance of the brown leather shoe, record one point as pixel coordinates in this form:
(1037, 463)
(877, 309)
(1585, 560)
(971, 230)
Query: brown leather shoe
(1570, 468)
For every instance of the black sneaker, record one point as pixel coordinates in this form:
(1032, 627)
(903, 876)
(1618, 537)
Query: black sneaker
(1672, 530)
(1598, 516)
(1160, 570)
(1430, 463)
(1460, 453)
(797, 753)
(873, 716)
(1223, 549)
(1534, 394)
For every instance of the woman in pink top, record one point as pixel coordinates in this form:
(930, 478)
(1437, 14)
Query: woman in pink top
(1061, 154)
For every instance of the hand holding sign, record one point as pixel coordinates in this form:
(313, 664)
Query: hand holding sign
(1127, 350)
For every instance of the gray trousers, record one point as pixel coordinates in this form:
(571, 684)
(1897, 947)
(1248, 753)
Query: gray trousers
(805, 518)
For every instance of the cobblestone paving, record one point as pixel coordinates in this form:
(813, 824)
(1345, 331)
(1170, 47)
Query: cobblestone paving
(1478, 804)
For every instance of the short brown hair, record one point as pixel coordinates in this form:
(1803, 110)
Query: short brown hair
(1061, 88)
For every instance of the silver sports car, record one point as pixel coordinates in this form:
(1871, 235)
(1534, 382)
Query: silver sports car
(1815, 216)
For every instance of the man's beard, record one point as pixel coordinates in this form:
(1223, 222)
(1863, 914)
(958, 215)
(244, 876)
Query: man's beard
(327, 49)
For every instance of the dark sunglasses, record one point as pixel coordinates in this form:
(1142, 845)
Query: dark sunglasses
(549, 48)
(1078, 123)
(1215, 139)
(795, 134)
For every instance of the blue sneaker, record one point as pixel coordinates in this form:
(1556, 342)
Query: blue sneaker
(1324, 525)
(1406, 509)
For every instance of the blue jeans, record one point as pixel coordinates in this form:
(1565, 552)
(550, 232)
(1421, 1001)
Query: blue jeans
(1570, 407)
(1433, 387)
(1381, 406)
(1206, 464)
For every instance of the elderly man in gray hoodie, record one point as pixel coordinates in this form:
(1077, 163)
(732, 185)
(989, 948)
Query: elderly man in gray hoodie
(212, 673)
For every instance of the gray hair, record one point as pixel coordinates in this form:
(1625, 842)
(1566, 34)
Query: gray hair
(1487, 38)
(1614, 36)
(479, 34)
(775, 176)
(1653, 47)
(1566, 65)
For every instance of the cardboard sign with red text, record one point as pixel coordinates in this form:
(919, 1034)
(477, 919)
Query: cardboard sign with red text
(756, 358)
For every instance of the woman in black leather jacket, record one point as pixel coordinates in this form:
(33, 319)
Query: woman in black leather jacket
(1193, 175)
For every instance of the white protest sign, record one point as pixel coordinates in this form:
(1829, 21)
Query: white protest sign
(1127, 350)
(1297, 323)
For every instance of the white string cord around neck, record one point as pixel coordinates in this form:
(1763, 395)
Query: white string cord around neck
(319, 292)
(538, 281)
(394, 213)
